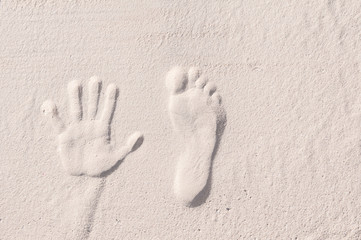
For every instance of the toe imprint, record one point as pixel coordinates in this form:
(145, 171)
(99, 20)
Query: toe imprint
(201, 82)
(176, 80)
(210, 88)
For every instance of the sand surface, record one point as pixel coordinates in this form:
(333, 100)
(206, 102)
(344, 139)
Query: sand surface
(288, 165)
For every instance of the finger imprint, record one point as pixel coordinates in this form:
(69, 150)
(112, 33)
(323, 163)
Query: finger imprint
(109, 104)
(93, 101)
(74, 93)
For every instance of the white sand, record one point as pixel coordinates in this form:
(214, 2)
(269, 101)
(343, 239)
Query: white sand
(289, 161)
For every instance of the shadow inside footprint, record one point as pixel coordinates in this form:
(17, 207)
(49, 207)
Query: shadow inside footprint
(204, 194)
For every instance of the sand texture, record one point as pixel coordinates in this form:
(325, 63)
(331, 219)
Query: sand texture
(250, 112)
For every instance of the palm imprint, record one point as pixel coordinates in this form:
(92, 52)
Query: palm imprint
(84, 146)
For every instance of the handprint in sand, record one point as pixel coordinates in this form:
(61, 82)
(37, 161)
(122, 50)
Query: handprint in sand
(84, 146)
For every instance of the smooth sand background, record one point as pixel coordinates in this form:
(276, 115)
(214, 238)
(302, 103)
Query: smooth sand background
(289, 163)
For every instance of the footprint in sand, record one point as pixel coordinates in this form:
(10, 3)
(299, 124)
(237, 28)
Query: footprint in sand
(196, 114)
(84, 146)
